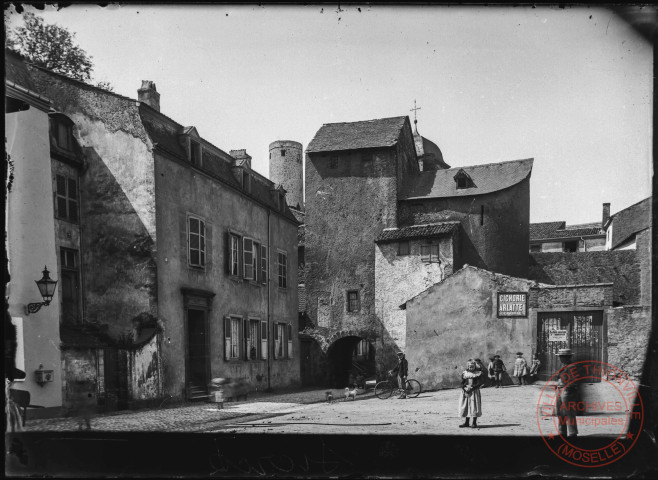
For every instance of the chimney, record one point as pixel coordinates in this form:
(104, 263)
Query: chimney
(606, 213)
(148, 95)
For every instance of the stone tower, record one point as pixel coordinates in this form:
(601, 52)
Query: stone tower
(286, 168)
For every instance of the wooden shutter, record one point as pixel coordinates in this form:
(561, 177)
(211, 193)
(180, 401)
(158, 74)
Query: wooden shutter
(263, 340)
(425, 253)
(289, 341)
(229, 265)
(264, 264)
(245, 339)
(276, 340)
(227, 338)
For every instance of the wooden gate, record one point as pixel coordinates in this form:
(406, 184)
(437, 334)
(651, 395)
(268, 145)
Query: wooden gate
(583, 335)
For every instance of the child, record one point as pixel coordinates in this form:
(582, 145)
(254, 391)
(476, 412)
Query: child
(470, 400)
(520, 368)
(498, 368)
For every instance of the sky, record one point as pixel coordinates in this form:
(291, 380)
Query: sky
(571, 88)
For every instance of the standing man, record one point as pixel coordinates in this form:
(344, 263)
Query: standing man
(498, 368)
(401, 369)
(567, 397)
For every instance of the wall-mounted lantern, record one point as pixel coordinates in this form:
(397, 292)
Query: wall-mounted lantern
(46, 288)
(42, 376)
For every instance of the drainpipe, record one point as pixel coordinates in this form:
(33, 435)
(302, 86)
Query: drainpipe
(269, 287)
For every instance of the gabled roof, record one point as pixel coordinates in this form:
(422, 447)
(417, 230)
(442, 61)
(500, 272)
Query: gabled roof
(383, 132)
(489, 178)
(417, 231)
(469, 269)
(631, 220)
(554, 230)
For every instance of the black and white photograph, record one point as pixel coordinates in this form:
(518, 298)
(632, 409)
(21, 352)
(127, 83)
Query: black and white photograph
(329, 240)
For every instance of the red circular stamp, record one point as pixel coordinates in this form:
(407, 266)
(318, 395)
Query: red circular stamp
(588, 398)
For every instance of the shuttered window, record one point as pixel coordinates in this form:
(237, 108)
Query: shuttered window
(282, 269)
(263, 264)
(234, 254)
(232, 337)
(429, 253)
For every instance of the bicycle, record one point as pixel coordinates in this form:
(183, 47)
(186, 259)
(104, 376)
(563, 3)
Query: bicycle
(385, 388)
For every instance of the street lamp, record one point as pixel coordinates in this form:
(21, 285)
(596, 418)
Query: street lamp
(46, 288)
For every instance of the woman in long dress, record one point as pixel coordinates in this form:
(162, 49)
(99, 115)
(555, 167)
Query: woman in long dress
(470, 400)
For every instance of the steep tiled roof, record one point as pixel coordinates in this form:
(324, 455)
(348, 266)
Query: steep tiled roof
(383, 132)
(166, 134)
(544, 229)
(630, 221)
(416, 231)
(486, 178)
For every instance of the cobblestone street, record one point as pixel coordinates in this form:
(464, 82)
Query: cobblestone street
(507, 411)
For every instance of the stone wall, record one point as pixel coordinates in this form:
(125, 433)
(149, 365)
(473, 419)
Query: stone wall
(340, 238)
(644, 249)
(628, 338)
(618, 267)
(288, 170)
(398, 278)
(495, 238)
(117, 201)
(456, 320)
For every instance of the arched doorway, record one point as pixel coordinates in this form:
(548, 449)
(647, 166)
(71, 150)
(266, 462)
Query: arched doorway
(351, 361)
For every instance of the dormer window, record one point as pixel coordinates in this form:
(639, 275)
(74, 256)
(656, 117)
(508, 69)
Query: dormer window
(463, 180)
(246, 181)
(62, 132)
(195, 153)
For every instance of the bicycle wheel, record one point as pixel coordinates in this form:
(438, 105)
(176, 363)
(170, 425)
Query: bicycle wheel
(413, 388)
(383, 390)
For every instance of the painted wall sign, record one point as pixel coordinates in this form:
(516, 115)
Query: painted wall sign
(557, 335)
(512, 304)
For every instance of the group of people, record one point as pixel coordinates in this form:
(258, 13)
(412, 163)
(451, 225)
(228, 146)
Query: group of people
(475, 377)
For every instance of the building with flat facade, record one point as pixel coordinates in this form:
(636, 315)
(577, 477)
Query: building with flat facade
(178, 262)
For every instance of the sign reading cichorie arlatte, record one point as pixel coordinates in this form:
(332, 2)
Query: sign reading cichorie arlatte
(512, 304)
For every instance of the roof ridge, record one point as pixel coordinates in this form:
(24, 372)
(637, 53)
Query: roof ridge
(630, 206)
(364, 121)
(492, 163)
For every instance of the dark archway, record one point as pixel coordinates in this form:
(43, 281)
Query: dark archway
(351, 361)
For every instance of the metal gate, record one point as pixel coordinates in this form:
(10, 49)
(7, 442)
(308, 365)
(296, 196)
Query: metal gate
(583, 336)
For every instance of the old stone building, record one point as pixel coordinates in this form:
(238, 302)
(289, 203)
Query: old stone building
(379, 230)
(560, 237)
(185, 256)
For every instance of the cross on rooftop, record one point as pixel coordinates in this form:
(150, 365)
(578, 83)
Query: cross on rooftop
(415, 119)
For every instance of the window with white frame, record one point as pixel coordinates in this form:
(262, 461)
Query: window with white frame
(232, 337)
(248, 258)
(66, 195)
(279, 340)
(196, 229)
(256, 260)
(234, 253)
(263, 339)
(282, 263)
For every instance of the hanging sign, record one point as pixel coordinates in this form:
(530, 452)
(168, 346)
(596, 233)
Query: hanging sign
(557, 335)
(512, 304)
